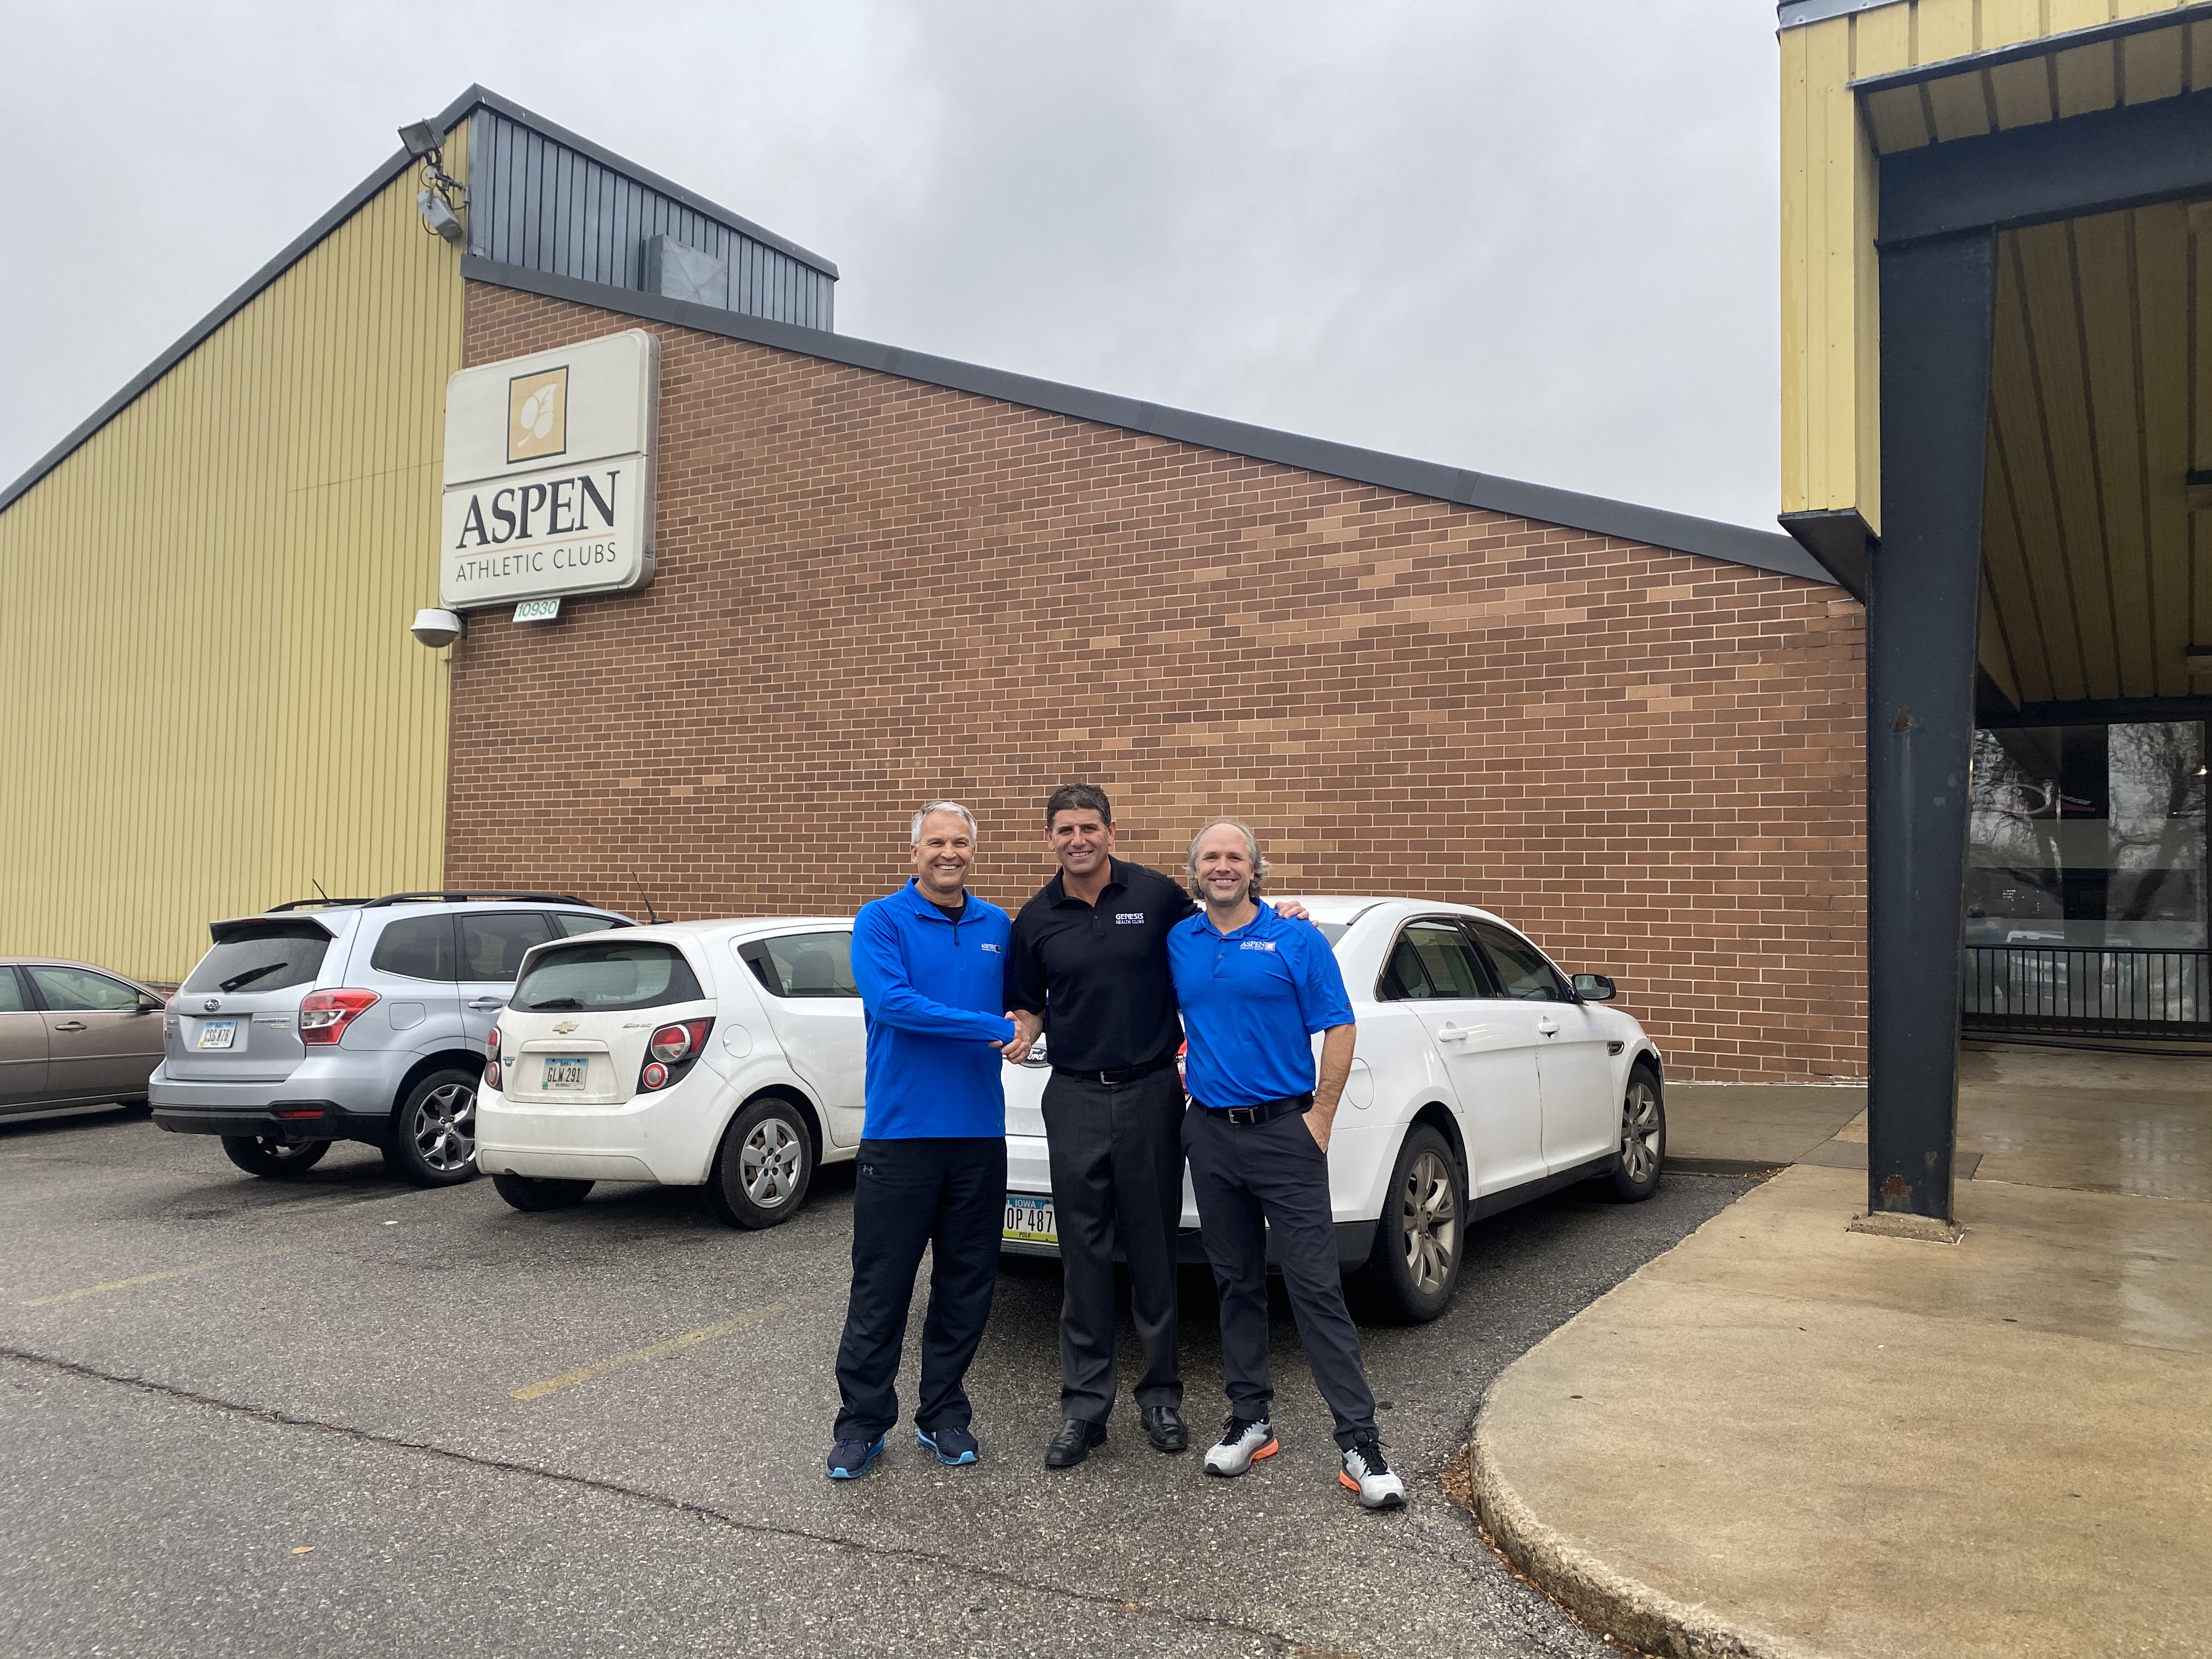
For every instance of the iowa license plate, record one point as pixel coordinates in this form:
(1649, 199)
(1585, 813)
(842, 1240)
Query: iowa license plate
(564, 1071)
(1029, 1219)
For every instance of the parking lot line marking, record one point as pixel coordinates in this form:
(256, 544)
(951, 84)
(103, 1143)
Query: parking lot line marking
(622, 1362)
(170, 1273)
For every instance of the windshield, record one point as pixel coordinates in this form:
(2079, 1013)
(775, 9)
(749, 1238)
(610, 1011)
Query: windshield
(585, 977)
(273, 957)
(1331, 931)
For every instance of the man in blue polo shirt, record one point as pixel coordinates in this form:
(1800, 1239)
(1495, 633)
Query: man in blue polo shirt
(1256, 989)
(930, 961)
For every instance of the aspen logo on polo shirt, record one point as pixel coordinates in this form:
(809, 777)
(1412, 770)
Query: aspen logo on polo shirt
(1128, 918)
(1257, 944)
(550, 473)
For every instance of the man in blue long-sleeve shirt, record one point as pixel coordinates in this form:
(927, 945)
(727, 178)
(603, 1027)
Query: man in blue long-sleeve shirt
(930, 961)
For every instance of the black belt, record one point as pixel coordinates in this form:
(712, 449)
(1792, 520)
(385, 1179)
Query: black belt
(1118, 1073)
(1266, 1112)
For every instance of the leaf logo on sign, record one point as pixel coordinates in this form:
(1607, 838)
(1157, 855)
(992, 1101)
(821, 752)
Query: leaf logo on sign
(537, 415)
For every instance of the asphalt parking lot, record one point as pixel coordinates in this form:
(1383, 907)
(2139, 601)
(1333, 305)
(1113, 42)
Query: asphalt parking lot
(342, 1415)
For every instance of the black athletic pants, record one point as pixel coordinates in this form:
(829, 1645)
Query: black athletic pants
(1116, 1154)
(1246, 1174)
(948, 1195)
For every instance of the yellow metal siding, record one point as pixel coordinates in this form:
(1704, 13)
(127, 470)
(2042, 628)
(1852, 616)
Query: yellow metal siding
(212, 700)
(1830, 328)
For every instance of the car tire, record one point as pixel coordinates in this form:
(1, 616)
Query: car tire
(540, 1192)
(1635, 1174)
(1421, 1237)
(765, 1166)
(431, 1141)
(274, 1159)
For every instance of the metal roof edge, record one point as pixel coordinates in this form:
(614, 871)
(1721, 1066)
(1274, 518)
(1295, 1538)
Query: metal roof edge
(1679, 532)
(2175, 17)
(1795, 14)
(668, 187)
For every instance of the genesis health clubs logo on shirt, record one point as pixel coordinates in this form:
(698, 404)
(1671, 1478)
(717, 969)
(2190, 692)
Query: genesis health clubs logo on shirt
(550, 473)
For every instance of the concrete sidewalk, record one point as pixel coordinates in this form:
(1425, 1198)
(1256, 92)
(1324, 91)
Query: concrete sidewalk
(1785, 1439)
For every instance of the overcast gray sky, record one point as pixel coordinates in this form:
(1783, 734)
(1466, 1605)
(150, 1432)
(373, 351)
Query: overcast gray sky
(1533, 239)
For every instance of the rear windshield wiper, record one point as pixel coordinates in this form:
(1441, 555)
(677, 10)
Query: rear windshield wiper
(252, 973)
(552, 1003)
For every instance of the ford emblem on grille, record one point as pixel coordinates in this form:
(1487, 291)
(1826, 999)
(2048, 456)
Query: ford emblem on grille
(212, 1005)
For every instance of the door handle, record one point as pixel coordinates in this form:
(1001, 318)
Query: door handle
(1548, 1026)
(69, 1025)
(1453, 1034)
(489, 1002)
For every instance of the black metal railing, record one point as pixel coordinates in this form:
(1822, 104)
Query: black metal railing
(2087, 990)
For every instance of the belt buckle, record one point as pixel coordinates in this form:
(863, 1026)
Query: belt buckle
(1243, 1114)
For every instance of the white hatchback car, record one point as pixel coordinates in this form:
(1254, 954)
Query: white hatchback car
(723, 1054)
(1484, 1078)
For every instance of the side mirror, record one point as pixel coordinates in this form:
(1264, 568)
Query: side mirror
(1595, 988)
(149, 1004)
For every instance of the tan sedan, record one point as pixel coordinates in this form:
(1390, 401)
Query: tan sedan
(74, 1036)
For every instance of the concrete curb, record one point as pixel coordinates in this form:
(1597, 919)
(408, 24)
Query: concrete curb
(1597, 1594)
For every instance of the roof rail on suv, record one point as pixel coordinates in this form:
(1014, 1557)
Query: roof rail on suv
(464, 898)
(311, 904)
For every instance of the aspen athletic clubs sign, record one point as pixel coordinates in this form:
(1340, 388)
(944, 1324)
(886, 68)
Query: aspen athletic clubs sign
(550, 473)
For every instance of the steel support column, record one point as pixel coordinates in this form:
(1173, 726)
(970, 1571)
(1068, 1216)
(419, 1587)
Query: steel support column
(1922, 610)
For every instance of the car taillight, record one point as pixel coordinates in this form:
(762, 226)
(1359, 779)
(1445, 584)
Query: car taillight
(491, 1058)
(325, 1015)
(677, 1043)
(671, 1051)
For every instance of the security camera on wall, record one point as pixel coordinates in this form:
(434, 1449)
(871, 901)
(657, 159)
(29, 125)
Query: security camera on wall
(438, 628)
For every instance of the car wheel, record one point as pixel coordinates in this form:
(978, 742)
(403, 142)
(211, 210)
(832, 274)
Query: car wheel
(765, 1166)
(432, 1141)
(1422, 1234)
(279, 1160)
(1643, 1138)
(540, 1192)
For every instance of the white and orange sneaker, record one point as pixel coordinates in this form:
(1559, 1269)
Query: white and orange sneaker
(1244, 1441)
(1368, 1474)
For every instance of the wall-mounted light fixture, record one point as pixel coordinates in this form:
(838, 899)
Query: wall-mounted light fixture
(439, 629)
(442, 196)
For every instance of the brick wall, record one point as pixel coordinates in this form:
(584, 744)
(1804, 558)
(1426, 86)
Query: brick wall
(872, 591)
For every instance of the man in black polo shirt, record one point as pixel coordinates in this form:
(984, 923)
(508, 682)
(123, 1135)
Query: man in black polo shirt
(1089, 968)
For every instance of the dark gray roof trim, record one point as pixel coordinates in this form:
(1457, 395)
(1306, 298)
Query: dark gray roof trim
(2021, 50)
(1761, 550)
(346, 206)
(1795, 14)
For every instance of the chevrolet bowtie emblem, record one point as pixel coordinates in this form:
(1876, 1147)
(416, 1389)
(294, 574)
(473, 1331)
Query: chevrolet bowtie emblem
(564, 1028)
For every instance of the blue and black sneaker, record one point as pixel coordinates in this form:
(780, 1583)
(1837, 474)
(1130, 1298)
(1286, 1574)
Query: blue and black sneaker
(953, 1446)
(849, 1459)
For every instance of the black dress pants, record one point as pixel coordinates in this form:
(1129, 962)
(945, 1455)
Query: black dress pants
(1116, 1155)
(1245, 1175)
(947, 1195)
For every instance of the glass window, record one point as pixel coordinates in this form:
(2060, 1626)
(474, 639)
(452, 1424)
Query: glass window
(1521, 971)
(607, 974)
(77, 991)
(1331, 931)
(11, 992)
(2088, 835)
(264, 956)
(493, 941)
(803, 964)
(574, 925)
(1433, 960)
(419, 947)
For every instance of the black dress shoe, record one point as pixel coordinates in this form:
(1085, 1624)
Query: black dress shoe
(1074, 1443)
(1164, 1428)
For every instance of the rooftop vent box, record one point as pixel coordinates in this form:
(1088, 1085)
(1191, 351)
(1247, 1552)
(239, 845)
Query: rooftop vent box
(677, 272)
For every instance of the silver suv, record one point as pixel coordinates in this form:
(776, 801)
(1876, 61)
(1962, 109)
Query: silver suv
(352, 1019)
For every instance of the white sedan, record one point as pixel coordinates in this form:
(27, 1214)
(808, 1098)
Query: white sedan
(1485, 1077)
